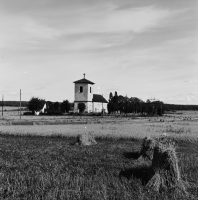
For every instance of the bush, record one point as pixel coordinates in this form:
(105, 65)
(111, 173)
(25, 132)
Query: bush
(65, 106)
(52, 112)
(35, 104)
(28, 113)
(81, 107)
(95, 114)
(56, 105)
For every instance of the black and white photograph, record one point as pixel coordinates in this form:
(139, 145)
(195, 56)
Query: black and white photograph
(98, 99)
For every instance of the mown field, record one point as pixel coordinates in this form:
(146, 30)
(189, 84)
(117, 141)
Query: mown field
(39, 162)
(51, 168)
(107, 127)
(11, 112)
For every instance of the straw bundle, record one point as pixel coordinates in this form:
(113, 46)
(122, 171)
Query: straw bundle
(165, 166)
(147, 148)
(85, 139)
(166, 141)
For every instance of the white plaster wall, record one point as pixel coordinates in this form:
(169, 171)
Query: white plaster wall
(97, 107)
(90, 95)
(75, 107)
(78, 95)
(91, 107)
(85, 95)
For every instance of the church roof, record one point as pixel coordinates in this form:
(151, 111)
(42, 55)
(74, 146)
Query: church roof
(99, 98)
(84, 80)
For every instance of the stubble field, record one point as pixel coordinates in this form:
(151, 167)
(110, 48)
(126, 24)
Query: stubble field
(39, 162)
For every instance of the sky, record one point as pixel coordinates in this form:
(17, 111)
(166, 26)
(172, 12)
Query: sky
(139, 48)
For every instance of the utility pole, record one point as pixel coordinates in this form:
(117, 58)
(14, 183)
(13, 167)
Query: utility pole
(126, 101)
(102, 105)
(20, 103)
(2, 105)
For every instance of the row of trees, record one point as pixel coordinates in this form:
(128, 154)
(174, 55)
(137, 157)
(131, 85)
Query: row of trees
(36, 104)
(63, 107)
(169, 107)
(121, 104)
(13, 103)
(117, 104)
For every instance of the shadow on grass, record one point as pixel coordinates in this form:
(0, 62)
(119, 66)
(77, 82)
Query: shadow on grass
(144, 173)
(134, 155)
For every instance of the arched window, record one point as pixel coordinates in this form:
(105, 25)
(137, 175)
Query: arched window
(90, 89)
(81, 89)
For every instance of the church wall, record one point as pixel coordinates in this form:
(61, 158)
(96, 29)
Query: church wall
(97, 107)
(85, 95)
(90, 95)
(89, 107)
(92, 107)
(76, 106)
(78, 95)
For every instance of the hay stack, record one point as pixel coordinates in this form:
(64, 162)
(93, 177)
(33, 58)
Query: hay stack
(147, 148)
(85, 139)
(165, 167)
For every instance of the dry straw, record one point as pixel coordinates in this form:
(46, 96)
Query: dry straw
(85, 139)
(166, 172)
(147, 148)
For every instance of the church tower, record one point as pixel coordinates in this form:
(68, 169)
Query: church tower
(83, 93)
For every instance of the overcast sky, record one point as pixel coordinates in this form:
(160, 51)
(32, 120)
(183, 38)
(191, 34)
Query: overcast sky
(139, 48)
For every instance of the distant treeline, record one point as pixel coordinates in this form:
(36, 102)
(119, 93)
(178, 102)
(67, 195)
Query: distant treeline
(170, 107)
(14, 103)
(123, 104)
(24, 103)
(167, 107)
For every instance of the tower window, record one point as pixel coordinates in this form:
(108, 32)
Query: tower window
(90, 89)
(81, 89)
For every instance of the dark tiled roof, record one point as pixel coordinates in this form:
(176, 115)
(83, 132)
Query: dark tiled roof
(84, 80)
(99, 98)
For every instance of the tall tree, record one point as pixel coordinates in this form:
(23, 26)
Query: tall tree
(35, 104)
(56, 105)
(121, 105)
(111, 107)
(50, 105)
(110, 96)
(65, 106)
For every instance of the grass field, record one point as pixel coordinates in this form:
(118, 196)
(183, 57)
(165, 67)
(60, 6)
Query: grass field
(51, 168)
(118, 127)
(39, 162)
(11, 112)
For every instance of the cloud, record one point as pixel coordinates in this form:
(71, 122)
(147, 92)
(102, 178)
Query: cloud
(24, 32)
(38, 27)
(191, 82)
(40, 88)
(113, 88)
(111, 20)
(190, 98)
(151, 43)
(12, 94)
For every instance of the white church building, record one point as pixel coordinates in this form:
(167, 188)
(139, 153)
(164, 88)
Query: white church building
(83, 93)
